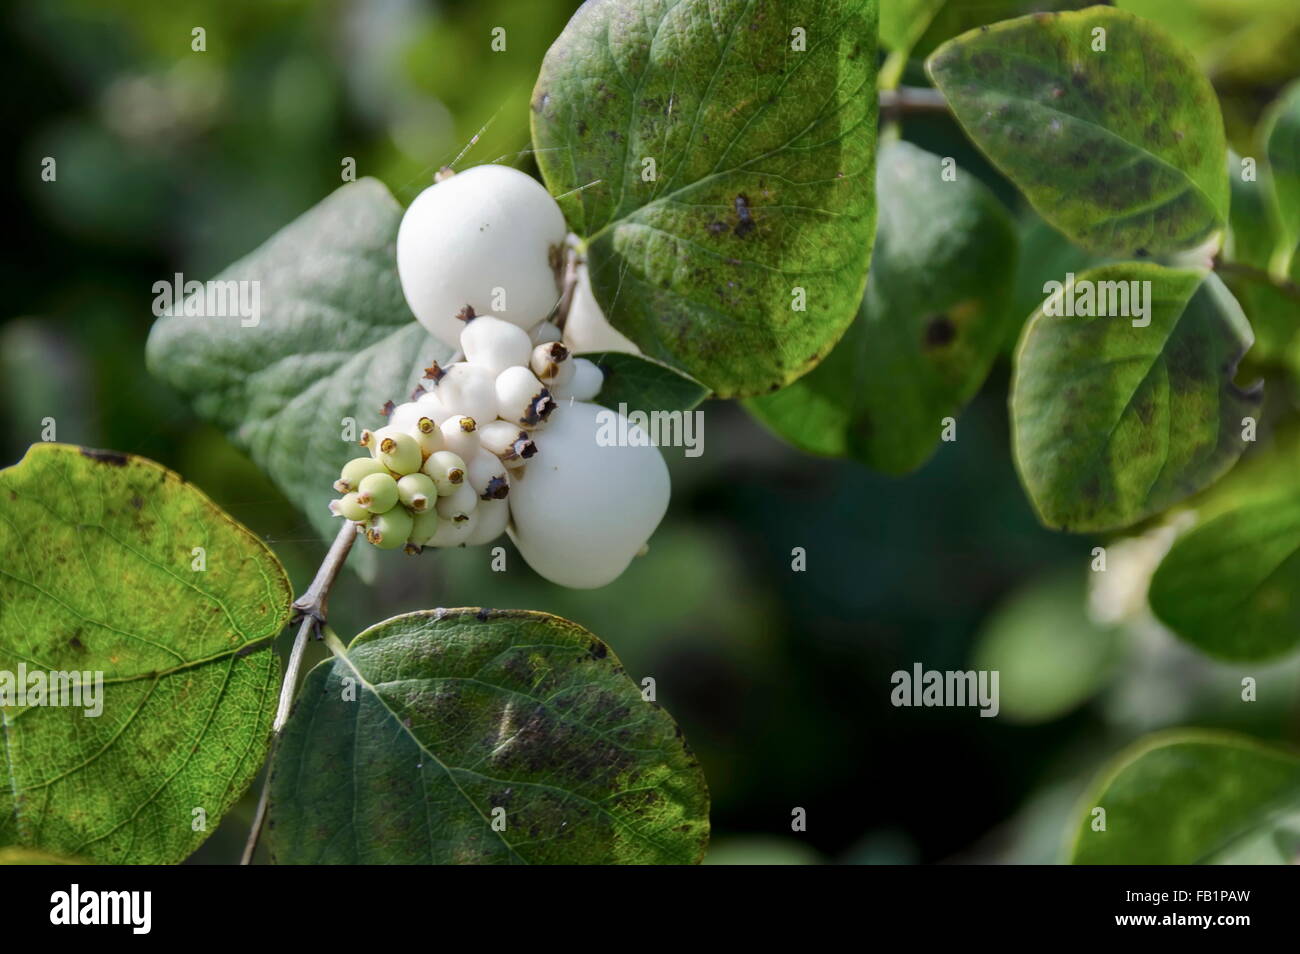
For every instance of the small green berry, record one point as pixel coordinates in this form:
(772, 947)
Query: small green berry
(348, 508)
(378, 493)
(423, 527)
(399, 452)
(417, 491)
(447, 470)
(391, 530)
(354, 471)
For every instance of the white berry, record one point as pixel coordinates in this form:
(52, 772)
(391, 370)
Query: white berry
(507, 441)
(480, 233)
(487, 475)
(468, 390)
(494, 344)
(582, 511)
(521, 398)
(460, 434)
(458, 505)
(492, 518)
(583, 385)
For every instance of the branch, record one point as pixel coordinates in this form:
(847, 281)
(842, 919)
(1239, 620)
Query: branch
(309, 611)
(911, 101)
(1252, 274)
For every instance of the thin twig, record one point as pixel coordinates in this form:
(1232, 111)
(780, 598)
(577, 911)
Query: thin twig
(1252, 274)
(309, 610)
(911, 100)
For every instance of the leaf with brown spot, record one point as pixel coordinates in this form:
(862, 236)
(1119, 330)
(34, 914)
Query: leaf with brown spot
(91, 583)
(406, 749)
(1113, 422)
(1122, 149)
(764, 159)
(934, 317)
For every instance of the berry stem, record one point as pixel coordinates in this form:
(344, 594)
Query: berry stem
(309, 612)
(910, 101)
(570, 286)
(1252, 274)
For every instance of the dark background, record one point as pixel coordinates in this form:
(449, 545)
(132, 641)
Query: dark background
(170, 160)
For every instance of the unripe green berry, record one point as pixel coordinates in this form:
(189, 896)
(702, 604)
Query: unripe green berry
(390, 530)
(423, 527)
(348, 508)
(417, 491)
(446, 470)
(400, 452)
(354, 471)
(378, 493)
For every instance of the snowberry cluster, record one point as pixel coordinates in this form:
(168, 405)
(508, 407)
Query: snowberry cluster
(506, 439)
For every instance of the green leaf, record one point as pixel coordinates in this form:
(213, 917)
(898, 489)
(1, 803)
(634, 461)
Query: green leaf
(335, 340)
(1253, 239)
(903, 21)
(1231, 585)
(762, 179)
(1122, 150)
(1113, 423)
(1186, 797)
(25, 856)
(1050, 655)
(1281, 131)
(436, 724)
(644, 384)
(933, 318)
(99, 573)
(918, 26)
(1045, 255)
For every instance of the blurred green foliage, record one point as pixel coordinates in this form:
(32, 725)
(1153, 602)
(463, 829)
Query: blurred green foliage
(171, 160)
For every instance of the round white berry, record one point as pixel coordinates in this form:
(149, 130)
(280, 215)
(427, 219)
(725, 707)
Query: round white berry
(459, 504)
(468, 390)
(492, 517)
(404, 417)
(508, 442)
(552, 364)
(431, 405)
(521, 398)
(454, 533)
(494, 344)
(583, 385)
(581, 511)
(474, 238)
(460, 434)
(487, 475)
